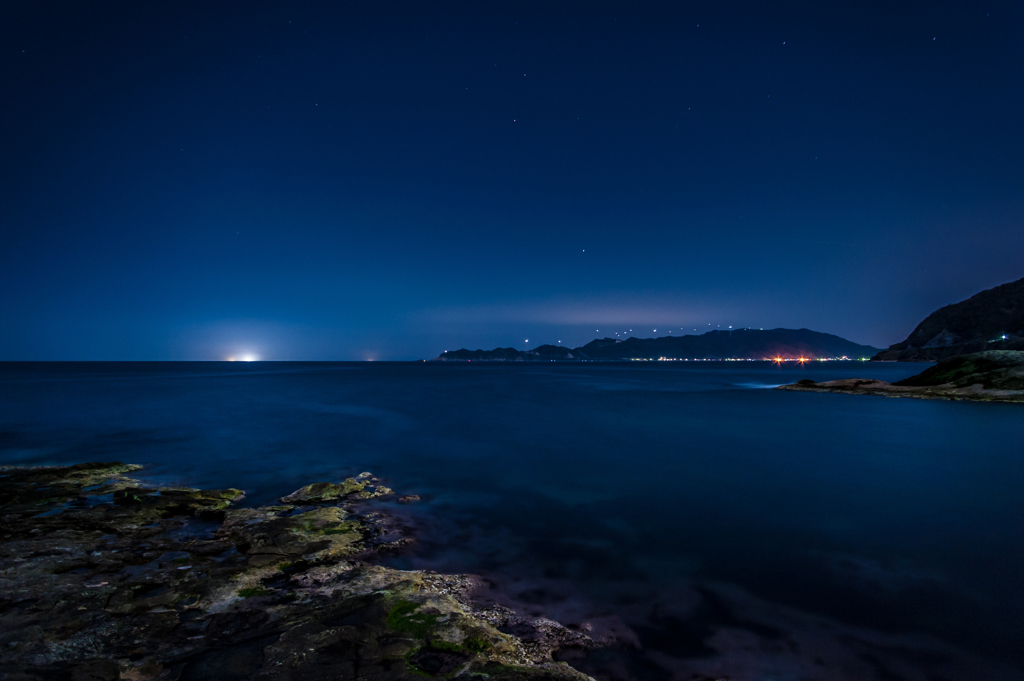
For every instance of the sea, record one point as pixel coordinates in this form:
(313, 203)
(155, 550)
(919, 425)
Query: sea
(699, 523)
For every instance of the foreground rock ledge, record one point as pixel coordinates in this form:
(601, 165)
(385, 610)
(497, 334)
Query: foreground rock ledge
(994, 376)
(102, 579)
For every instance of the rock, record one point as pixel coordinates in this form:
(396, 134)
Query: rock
(409, 498)
(352, 488)
(99, 670)
(992, 376)
(992, 370)
(113, 580)
(322, 491)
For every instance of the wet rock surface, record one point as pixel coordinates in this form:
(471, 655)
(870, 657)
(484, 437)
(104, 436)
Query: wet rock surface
(103, 578)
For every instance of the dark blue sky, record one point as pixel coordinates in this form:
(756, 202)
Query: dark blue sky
(388, 180)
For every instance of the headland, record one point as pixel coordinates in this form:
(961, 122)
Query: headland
(989, 320)
(991, 376)
(718, 345)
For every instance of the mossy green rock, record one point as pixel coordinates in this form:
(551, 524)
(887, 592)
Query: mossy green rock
(105, 578)
(320, 492)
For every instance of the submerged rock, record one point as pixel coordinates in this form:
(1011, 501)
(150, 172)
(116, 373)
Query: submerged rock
(103, 578)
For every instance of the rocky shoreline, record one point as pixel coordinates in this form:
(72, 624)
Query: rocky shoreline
(992, 376)
(102, 578)
(869, 386)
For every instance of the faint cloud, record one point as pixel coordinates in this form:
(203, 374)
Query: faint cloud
(574, 312)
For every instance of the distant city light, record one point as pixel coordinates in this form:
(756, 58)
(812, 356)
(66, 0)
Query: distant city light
(778, 360)
(247, 357)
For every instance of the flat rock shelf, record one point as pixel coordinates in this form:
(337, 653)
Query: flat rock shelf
(102, 578)
(869, 386)
(992, 376)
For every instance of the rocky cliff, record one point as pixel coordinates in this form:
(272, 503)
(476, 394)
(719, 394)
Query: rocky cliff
(990, 320)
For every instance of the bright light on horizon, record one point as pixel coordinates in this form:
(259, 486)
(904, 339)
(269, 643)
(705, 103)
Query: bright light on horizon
(244, 357)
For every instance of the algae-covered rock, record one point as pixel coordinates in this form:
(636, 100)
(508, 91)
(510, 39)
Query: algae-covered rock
(361, 488)
(105, 578)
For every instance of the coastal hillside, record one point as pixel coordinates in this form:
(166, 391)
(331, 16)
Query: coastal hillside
(990, 320)
(755, 344)
(991, 370)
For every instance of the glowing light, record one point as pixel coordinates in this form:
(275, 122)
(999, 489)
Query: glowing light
(244, 357)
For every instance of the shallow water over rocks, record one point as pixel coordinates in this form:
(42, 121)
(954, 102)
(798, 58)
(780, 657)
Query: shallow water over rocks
(709, 527)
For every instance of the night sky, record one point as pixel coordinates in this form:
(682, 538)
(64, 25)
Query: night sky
(388, 180)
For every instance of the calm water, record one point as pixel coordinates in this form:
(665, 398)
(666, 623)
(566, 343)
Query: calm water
(711, 525)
